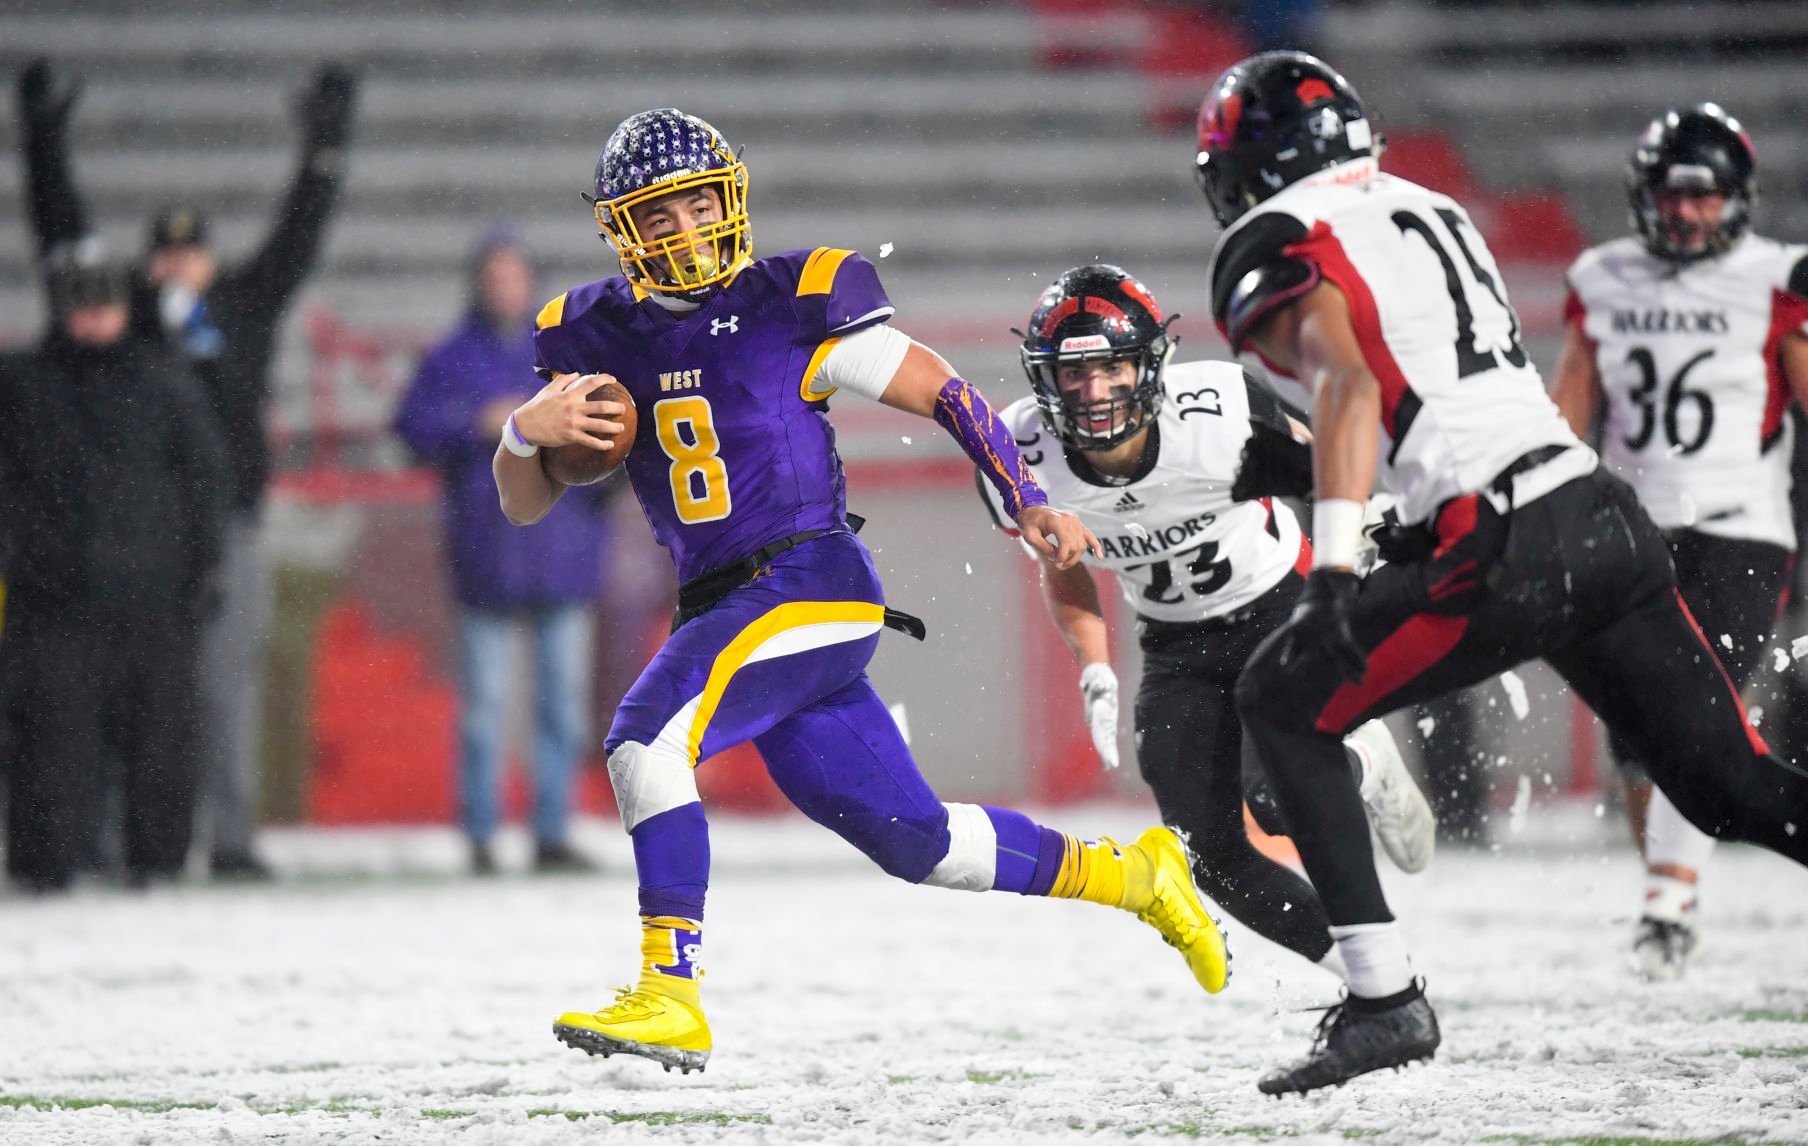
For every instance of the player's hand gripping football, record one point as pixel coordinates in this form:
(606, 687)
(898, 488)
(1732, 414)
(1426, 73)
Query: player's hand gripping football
(1057, 535)
(1320, 625)
(1098, 689)
(560, 414)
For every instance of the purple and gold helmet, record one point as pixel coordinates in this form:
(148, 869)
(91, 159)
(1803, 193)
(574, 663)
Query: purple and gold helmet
(656, 153)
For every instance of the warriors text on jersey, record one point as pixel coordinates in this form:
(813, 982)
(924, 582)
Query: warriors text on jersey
(734, 449)
(1460, 401)
(1688, 362)
(1181, 549)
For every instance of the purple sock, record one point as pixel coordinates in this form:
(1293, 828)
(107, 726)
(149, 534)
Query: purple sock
(671, 853)
(1029, 855)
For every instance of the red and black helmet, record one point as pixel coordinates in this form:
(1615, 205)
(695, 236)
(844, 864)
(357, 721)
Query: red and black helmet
(1697, 150)
(1271, 121)
(1096, 313)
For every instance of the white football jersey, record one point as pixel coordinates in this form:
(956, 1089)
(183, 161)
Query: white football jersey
(1180, 548)
(1696, 399)
(1460, 400)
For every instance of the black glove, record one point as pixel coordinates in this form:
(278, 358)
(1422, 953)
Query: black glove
(326, 106)
(46, 96)
(1272, 464)
(1320, 625)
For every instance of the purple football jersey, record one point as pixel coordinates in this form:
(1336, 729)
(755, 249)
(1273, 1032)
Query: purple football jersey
(734, 449)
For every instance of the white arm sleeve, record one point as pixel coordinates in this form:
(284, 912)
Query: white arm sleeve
(863, 362)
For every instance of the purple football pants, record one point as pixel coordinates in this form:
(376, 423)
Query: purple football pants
(782, 661)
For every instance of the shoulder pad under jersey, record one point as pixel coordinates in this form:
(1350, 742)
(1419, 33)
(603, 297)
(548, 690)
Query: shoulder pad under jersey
(1253, 273)
(838, 292)
(1274, 463)
(1798, 277)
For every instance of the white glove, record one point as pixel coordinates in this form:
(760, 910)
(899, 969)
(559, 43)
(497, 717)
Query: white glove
(1098, 688)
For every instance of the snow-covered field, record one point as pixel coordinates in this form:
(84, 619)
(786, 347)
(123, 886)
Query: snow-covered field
(403, 1003)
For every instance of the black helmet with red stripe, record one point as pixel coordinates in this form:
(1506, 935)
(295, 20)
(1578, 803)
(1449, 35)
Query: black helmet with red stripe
(1097, 313)
(1272, 120)
(1698, 150)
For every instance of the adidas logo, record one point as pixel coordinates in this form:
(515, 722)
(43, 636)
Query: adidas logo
(1127, 504)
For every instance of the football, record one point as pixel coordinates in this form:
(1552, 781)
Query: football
(578, 464)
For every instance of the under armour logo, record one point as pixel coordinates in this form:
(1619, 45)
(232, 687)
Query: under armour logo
(730, 324)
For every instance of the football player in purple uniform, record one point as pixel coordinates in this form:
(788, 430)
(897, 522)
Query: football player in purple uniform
(730, 361)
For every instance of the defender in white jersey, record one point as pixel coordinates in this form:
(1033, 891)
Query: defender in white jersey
(1384, 301)
(1687, 343)
(1176, 470)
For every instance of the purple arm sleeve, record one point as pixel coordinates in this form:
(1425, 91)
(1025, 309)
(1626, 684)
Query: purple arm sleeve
(963, 412)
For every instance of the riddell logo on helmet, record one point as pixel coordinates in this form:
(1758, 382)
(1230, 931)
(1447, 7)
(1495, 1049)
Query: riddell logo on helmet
(1085, 342)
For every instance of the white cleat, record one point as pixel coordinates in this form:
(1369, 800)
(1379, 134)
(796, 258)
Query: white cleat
(1397, 809)
(1660, 949)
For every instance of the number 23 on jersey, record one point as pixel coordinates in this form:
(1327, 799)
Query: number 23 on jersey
(686, 429)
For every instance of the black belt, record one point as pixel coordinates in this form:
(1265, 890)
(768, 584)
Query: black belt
(701, 593)
(1503, 481)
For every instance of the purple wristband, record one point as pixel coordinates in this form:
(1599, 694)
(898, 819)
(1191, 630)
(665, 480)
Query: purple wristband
(964, 412)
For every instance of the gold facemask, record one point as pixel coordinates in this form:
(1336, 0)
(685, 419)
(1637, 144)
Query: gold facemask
(689, 260)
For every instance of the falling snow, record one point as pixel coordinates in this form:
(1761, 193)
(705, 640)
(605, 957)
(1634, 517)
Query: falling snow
(408, 1005)
(1516, 693)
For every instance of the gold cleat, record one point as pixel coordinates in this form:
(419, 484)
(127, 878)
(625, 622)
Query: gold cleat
(1169, 902)
(653, 1024)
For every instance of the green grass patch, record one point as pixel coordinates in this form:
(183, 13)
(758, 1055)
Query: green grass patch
(1586, 1139)
(437, 1113)
(899, 1079)
(994, 1077)
(338, 1104)
(1773, 1016)
(1208, 1130)
(1773, 1052)
(1212, 1130)
(654, 1117)
(50, 1102)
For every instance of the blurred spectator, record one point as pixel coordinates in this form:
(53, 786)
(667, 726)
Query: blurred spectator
(226, 322)
(115, 480)
(507, 580)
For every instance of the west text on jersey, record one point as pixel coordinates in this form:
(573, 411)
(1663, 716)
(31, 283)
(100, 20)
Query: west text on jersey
(680, 379)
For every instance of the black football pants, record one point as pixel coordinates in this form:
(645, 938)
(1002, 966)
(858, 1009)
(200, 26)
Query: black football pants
(1734, 589)
(1580, 577)
(82, 691)
(1191, 752)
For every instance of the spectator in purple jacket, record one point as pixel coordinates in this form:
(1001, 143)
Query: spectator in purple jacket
(541, 581)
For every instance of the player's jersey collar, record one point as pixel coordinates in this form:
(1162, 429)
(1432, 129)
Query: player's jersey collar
(1083, 468)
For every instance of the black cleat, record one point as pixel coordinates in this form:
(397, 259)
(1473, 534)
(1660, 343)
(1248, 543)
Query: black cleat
(1352, 1040)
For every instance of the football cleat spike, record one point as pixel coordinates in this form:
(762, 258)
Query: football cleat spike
(1351, 1042)
(1402, 818)
(1661, 948)
(669, 1030)
(1172, 907)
